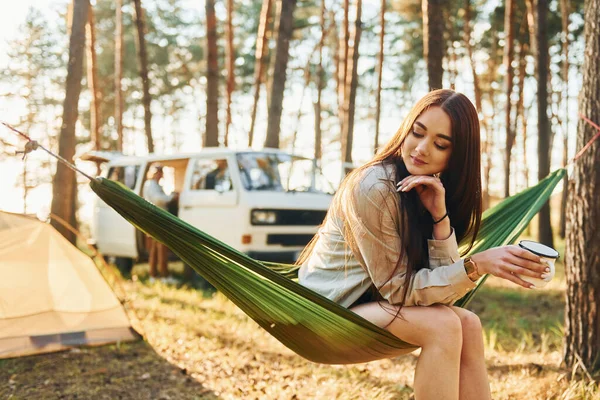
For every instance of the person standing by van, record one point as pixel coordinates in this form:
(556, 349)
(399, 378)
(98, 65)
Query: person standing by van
(155, 194)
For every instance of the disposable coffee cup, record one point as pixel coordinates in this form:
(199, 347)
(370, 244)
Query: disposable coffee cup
(548, 256)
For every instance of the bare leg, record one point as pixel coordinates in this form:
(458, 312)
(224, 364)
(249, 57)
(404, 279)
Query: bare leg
(473, 382)
(163, 268)
(152, 256)
(437, 330)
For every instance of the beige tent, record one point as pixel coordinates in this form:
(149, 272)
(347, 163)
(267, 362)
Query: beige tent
(52, 296)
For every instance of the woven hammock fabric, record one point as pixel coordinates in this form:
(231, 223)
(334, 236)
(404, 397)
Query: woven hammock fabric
(309, 324)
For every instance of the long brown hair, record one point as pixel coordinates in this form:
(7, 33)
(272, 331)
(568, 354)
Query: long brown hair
(461, 180)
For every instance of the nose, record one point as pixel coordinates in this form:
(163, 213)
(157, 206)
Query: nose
(422, 148)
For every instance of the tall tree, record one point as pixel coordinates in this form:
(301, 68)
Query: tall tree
(92, 77)
(119, 73)
(351, 88)
(140, 22)
(320, 73)
(541, 61)
(520, 114)
(379, 74)
(582, 316)
(509, 34)
(211, 134)
(284, 35)
(259, 65)
(64, 184)
(564, 13)
(433, 45)
(230, 55)
(342, 67)
(470, 53)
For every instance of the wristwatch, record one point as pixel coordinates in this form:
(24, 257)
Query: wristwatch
(471, 269)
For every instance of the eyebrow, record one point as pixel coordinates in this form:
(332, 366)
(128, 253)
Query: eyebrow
(440, 135)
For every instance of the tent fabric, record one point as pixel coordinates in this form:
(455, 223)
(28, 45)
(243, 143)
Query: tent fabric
(52, 296)
(309, 324)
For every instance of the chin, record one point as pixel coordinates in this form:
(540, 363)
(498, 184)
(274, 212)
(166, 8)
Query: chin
(419, 169)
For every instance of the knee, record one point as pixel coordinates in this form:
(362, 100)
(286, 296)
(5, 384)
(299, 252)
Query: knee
(446, 329)
(470, 324)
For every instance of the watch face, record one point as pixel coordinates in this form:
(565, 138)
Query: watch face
(538, 249)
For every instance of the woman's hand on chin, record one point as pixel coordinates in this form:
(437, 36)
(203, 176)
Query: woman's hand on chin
(431, 192)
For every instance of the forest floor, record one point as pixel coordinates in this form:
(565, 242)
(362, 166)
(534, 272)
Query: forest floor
(198, 345)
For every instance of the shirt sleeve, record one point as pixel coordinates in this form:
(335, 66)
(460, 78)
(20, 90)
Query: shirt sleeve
(154, 193)
(372, 213)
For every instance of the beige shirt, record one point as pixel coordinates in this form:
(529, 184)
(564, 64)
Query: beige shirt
(371, 208)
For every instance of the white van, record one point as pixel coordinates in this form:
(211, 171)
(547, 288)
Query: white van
(267, 204)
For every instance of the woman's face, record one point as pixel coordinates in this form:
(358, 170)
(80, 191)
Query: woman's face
(427, 147)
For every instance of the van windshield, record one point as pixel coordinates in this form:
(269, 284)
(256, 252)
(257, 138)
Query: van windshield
(281, 173)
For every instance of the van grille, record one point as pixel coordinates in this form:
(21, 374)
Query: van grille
(298, 217)
(289, 239)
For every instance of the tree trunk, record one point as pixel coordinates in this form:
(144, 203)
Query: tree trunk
(352, 84)
(476, 84)
(320, 71)
(276, 20)
(564, 11)
(230, 69)
(582, 259)
(259, 64)
(379, 75)
(92, 77)
(64, 183)
(119, 73)
(520, 114)
(343, 48)
(433, 43)
(140, 21)
(508, 87)
(545, 229)
(211, 134)
(284, 35)
(492, 66)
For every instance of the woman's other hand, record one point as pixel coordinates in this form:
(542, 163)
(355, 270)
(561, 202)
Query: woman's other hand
(431, 192)
(509, 261)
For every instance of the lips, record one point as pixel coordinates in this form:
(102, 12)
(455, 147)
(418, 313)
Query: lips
(417, 161)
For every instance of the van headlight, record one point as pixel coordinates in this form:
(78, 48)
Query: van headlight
(261, 217)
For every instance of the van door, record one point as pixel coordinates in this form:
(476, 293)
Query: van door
(114, 235)
(210, 197)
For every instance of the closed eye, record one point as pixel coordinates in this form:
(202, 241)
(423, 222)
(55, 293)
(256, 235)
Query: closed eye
(419, 135)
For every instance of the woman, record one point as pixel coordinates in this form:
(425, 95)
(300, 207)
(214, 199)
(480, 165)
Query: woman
(388, 247)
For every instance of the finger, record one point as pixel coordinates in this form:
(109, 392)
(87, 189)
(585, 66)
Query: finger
(526, 254)
(535, 267)
(517, 280)
(424, 181)
(516, 269)
(416, 180)
(408, 179)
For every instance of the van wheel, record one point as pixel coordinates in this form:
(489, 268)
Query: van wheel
(124, 264)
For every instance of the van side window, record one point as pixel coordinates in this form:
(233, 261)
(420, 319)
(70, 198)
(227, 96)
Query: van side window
(127, 175)
(211, 175)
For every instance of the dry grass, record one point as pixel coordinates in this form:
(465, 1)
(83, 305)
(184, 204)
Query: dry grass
(199, 345)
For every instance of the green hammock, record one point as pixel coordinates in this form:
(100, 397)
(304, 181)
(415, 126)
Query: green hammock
(309, 324)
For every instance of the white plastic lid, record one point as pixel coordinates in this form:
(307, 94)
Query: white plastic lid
(538, 249)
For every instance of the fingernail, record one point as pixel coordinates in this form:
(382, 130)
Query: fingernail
(547, 269)
(544, 276)
(532, 287)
